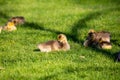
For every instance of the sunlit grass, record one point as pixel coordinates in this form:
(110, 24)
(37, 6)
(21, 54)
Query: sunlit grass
(45, 19)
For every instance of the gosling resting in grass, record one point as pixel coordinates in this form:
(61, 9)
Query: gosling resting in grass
(55, 45)
(10, 26)
(63, 41)
(17, 20)
(99, 39)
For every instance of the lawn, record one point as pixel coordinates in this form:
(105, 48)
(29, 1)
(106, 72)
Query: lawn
(45, 19)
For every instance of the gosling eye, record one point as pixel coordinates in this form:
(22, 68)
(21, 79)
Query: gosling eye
(15, 22)
(59, 37)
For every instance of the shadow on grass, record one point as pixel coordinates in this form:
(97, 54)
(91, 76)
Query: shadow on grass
(2, 15)
(49, 77)
(41, 27)
(74, 33)
(36, 50)
(116, 42)
(107, 53)
(82, 24)
(3, 18)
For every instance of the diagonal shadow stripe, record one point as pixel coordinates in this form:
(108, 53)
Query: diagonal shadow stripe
(82, 24)
(2, 15)
(72, 36)
(79, 25)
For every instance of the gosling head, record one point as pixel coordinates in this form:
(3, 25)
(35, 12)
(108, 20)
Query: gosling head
(62, 38)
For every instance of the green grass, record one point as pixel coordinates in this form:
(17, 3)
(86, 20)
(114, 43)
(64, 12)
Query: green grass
(45, 19)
